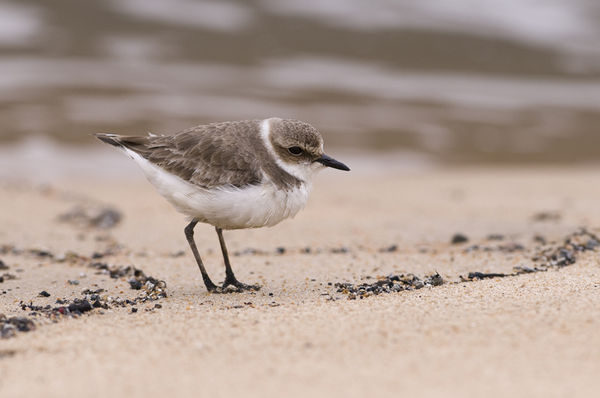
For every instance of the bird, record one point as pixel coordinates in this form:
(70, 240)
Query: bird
(231, 175)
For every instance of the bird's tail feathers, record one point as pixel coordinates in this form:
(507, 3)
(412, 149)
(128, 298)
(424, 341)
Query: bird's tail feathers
(112, 139)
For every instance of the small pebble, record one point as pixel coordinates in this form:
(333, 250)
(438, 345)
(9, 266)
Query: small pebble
(459, 238)
(389, 249)
(340, 250)
(80, 306)
(483, 275)
(547, 216)
(107, 218)
(135, 284)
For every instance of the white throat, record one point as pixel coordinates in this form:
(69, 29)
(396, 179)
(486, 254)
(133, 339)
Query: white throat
(302, 171)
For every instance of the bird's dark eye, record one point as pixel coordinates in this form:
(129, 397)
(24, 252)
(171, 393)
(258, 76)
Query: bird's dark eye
(295, 150)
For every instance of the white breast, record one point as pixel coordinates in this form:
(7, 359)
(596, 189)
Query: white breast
(229, 207)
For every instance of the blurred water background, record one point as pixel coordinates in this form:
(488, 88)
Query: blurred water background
(437, 81)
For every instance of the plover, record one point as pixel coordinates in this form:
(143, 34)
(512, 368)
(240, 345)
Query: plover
(232, 175)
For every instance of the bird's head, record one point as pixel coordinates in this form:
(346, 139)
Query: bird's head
(299, 147)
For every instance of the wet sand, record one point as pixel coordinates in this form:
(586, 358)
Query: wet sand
(534, 334)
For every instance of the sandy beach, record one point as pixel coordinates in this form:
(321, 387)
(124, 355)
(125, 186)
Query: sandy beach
(532, 332)
(460, 256)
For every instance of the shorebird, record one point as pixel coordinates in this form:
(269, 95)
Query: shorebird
(231, 175)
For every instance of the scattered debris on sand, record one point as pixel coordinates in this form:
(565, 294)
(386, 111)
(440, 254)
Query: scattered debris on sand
(90, 300)
(551, 256)
(388, 284)
(150, 287)
(566, 254)
(545, 257)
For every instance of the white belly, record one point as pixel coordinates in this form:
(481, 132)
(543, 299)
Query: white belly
(227, 208)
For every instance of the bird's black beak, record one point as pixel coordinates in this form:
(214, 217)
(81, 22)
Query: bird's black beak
(331, 162)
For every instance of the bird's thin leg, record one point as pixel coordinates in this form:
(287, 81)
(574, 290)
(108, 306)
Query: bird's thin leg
(189, 234)
(230, 278)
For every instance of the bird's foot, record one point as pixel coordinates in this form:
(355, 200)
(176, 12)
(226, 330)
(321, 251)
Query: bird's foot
(242, 287)
(232, 285)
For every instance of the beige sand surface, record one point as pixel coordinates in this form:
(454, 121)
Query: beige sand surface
(529, 335)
